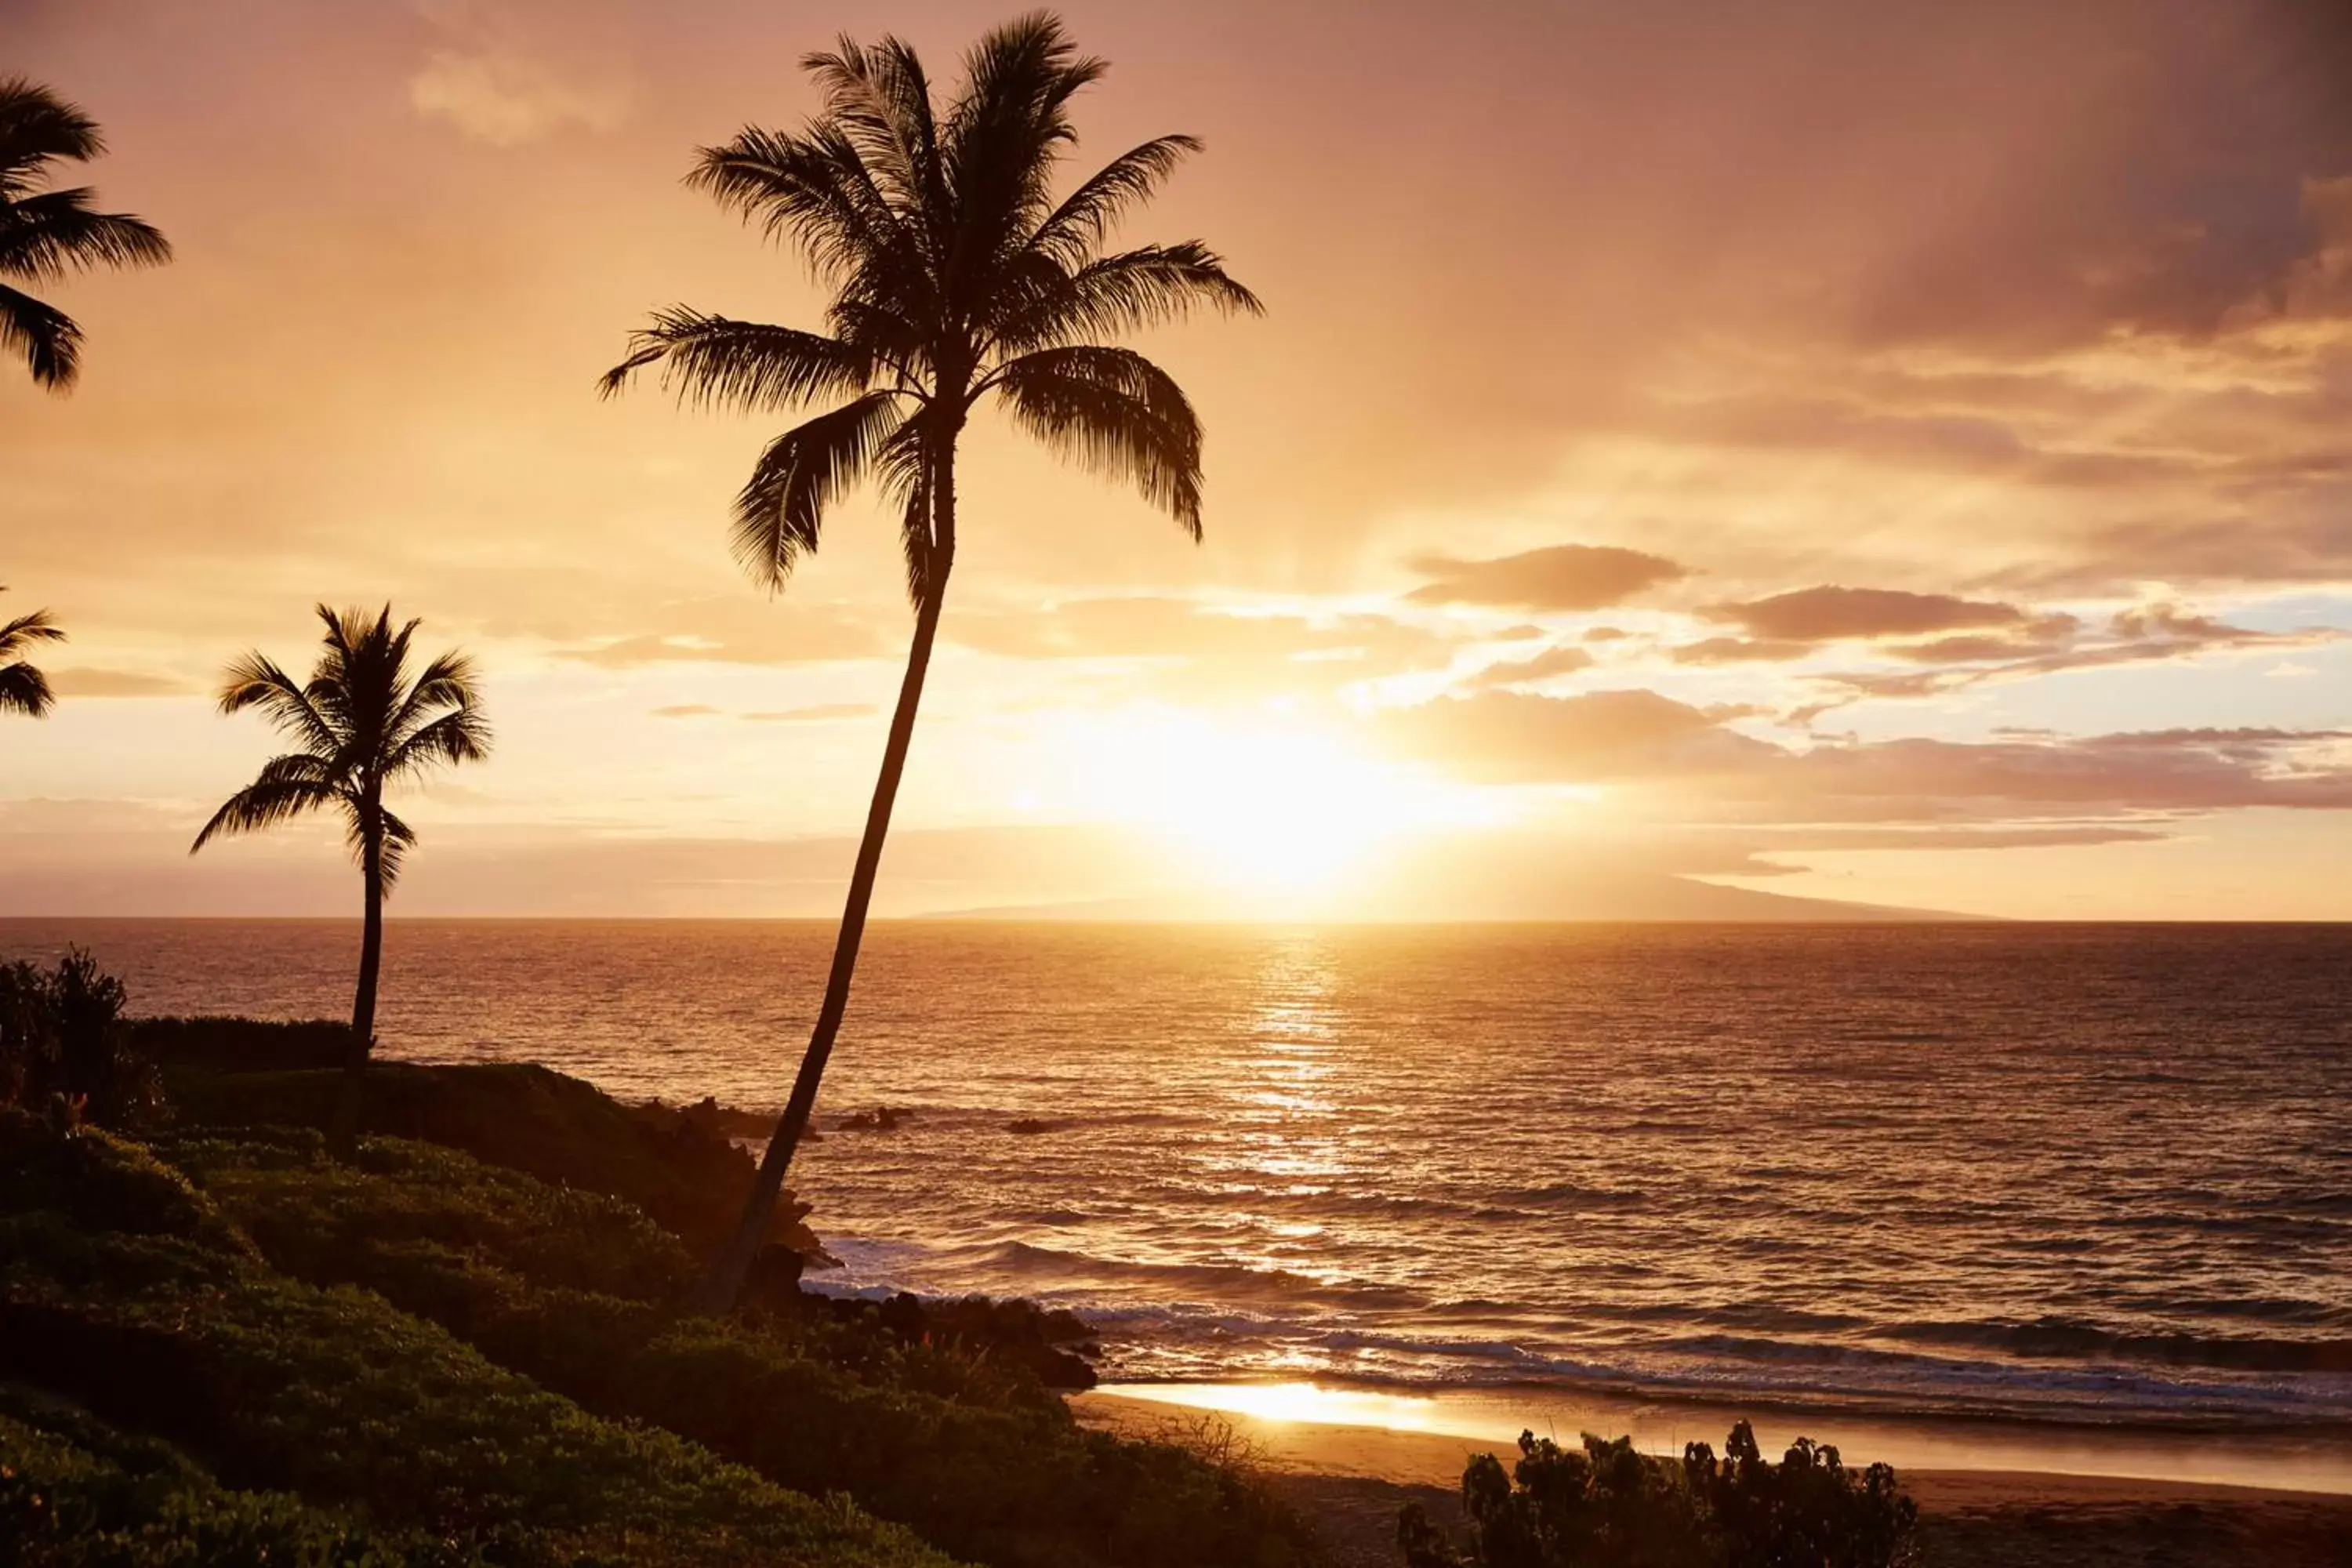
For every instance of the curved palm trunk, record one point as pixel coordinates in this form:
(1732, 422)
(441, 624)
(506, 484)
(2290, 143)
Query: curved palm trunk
(725, 1281)
(344, 1136)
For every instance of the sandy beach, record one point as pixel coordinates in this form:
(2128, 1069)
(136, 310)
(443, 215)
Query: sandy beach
(1351, 1479)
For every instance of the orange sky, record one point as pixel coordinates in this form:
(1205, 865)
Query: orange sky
(1875, 451)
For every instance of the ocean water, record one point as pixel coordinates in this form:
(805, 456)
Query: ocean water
(2063, 1173)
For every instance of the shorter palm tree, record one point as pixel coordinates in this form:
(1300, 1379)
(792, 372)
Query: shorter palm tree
(23, 687)
(45, 234)
(360, 727)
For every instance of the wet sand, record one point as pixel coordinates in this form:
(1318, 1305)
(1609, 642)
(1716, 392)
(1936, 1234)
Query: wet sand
(1351, 1479)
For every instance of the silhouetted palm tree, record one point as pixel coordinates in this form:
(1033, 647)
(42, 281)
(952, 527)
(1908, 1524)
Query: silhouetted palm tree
(45, 234)
(360, 727)
(955, 276)
(23, 687)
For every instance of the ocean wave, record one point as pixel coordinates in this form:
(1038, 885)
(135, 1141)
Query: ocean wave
(1218, 1280)
(2058, 1339)
(1722, 1368)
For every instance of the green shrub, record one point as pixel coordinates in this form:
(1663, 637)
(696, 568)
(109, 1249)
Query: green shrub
(337, 1396)
(63, 1039)
(687, 1176)
(1605, 1505)
(219, 1044)
(74, 1493)
(101, 1183)
(971, 1453)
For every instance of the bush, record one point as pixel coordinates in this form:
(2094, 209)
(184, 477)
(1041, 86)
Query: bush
(576, 1293)
(1606, 1505)
(219, 1044)
(63, 1040)
(337, 1396)
(689, 1177)
(74, 1493)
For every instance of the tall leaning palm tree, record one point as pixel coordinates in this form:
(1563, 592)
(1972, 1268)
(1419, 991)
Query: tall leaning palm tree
(23, 687)
(957, 278)
(361, 726)
(45, 234)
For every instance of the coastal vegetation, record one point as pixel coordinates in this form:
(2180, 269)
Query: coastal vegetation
(361, 725)
(64, 1041)
(1607, 1504)
(221, 1339)
(957, 278)
(47, 233)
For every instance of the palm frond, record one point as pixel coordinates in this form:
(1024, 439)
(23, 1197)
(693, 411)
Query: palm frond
(391, 849)
(1118, 295)
(45, 335)
(742, 364)
(903, 464)
(816, 189)
(265, 803)
(1002, 142)
(781, 510)
(1089, 213)
(24, 630)
(25, 689)
(44, 238)
(38, 127)
(460, 735)
(446, 682)
(954, 271)
(254, 681)
(362, 723)
(1115, 412)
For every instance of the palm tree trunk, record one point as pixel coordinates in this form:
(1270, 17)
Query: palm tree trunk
(720, 1287)
(344, 1137)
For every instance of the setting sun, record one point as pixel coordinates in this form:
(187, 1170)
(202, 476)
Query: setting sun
(1267, 803)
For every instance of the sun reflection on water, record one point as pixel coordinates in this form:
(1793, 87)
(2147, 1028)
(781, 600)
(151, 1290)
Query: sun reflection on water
(1299, 1402)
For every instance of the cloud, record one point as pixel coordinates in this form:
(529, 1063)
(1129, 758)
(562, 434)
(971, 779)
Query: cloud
(1552, 661)
(1642, 735)
(1737, 650)
(1962, 835)
(1829, 613)
(1187, 651)
(685, 711)
(1503, 737)
(1558, 577)
(72, 681)
(816, 713)
(2175, 770)
(2178, 203)
(728, 631)
(2053, 645)
(506, 77)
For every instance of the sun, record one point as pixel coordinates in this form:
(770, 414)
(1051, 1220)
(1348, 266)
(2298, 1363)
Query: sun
(1267, 804)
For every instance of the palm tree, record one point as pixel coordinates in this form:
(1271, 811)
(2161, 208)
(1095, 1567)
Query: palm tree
(955, 276)
(23, 689)
(45, 234)
(360, 727)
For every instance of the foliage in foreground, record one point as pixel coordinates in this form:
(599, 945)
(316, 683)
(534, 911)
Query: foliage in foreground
(236, 1072)
(63, 1042)
(154, 1319)
(577, 1291)
(75, 1493)
(1605, 1505)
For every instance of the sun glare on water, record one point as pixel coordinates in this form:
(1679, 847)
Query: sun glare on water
(1308, 1402)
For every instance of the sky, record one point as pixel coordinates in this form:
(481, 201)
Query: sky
(1695, 455)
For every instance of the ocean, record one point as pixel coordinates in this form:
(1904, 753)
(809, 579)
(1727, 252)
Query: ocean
(2063, 1173)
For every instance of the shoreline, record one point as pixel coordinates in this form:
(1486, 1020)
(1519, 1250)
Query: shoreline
(1352, 1477)
(1392, 1435)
